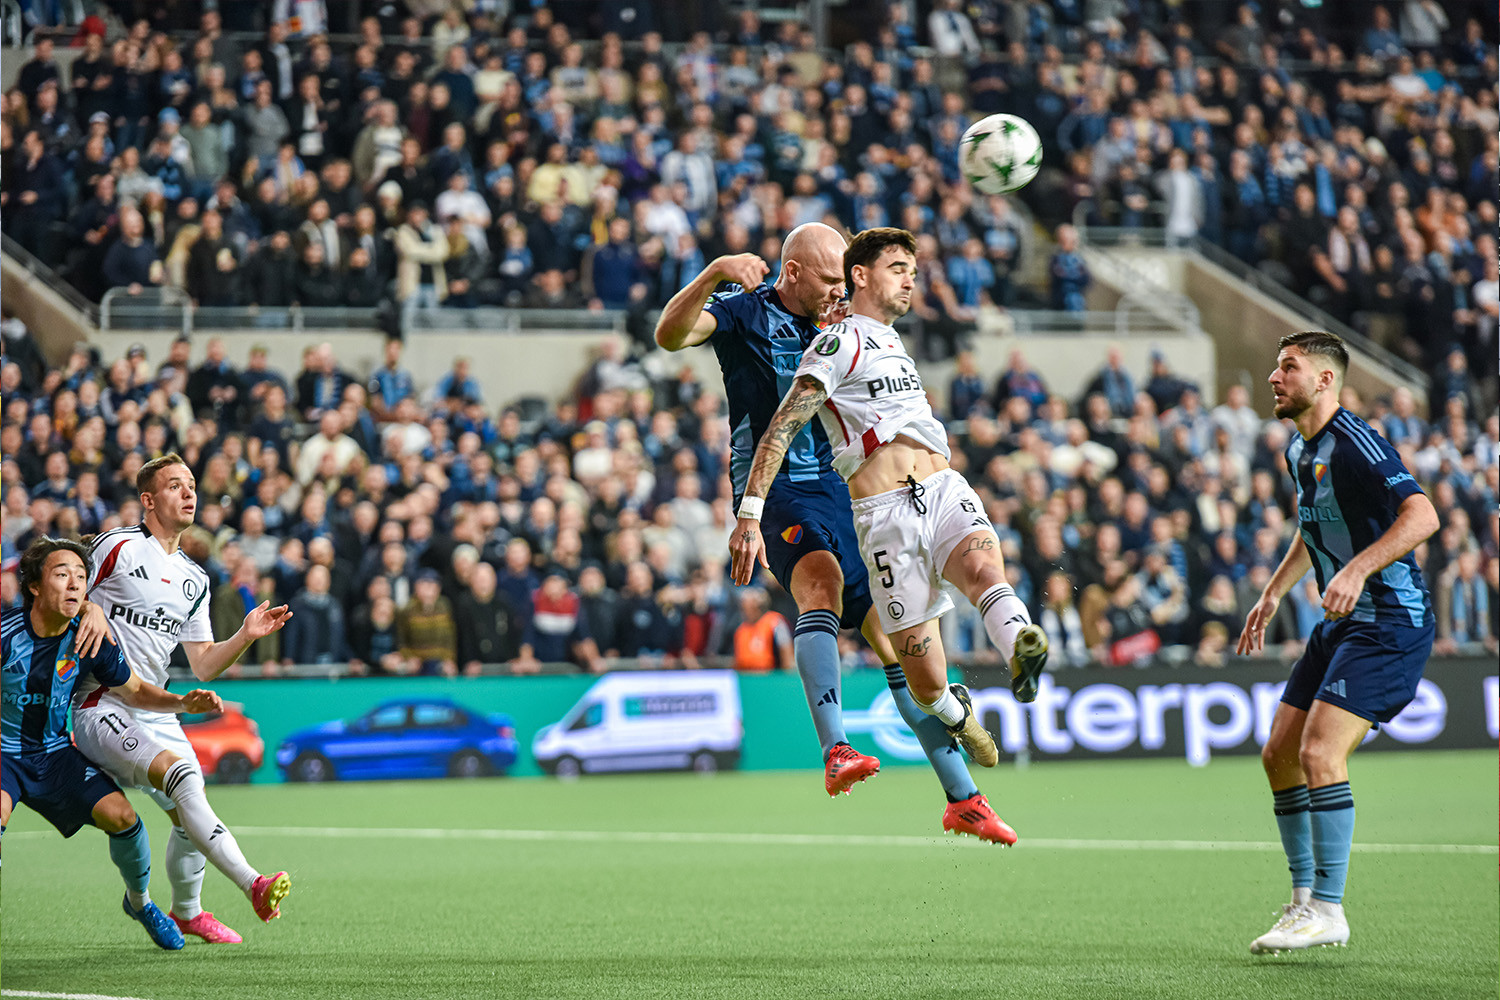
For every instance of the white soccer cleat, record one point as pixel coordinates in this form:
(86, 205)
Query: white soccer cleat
(1302, 927)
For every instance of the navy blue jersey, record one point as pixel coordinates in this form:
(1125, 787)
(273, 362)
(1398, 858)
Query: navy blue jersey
(760, 343)
(40, 675)
(1350, 485)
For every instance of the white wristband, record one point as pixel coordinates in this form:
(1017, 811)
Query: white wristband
(751, 507)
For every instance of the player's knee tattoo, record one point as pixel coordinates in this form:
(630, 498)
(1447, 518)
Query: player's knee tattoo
(914, 648)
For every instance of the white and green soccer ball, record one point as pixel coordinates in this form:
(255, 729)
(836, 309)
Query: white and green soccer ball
(1000, 154)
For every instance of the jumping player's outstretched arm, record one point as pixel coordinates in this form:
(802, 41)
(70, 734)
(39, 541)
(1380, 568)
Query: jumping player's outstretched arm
(1416, 520)
(1294, 565)
(210, 659)
(684, 322)
(144, 695)
(797, 407)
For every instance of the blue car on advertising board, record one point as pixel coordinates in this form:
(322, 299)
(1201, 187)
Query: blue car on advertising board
(409, 738)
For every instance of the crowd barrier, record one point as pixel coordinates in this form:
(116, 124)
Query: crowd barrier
(346, 729)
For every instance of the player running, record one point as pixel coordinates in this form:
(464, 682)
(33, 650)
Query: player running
(1361, 513)
(43, 662)
(760, 332)
(917, 521)
(154, 597)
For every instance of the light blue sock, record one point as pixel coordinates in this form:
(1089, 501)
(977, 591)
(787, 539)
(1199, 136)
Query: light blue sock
(936, 742)
(1332, 815)
(130, 850)
(815, 642)
(1296, 833)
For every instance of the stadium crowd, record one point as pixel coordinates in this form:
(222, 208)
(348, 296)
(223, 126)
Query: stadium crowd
(449, 155)
(438, 532)
(452, 157)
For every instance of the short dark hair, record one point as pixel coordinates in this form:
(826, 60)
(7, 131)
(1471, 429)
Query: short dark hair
(1328, 345)
(866, 248)
(34, 560)
(145, 479)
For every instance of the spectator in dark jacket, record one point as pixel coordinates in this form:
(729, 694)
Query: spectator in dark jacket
(375, 645)
(1070, 275)
(643, 627)
(318, 285)
(486, 622)
(273, 272)
(37, 195)
(315, 633)
(132, 262)
(213, 271)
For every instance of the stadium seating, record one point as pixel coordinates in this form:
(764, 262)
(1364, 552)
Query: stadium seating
(442, 171)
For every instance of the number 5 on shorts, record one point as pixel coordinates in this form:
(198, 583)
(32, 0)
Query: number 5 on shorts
(886, 579)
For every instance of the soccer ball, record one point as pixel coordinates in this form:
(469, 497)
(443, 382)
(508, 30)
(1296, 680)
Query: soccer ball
(1000, 154)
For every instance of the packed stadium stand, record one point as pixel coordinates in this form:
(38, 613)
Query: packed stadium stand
(250, 241)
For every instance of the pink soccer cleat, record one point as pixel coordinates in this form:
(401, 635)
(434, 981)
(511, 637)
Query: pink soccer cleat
(266, 895)
(208, 927)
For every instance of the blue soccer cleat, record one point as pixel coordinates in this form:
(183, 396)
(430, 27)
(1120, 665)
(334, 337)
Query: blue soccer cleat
(162, 930)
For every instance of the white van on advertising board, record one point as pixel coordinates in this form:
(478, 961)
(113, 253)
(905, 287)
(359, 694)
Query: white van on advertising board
(647, 721)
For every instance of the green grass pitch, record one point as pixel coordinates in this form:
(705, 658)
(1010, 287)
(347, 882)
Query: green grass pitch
(755, 885)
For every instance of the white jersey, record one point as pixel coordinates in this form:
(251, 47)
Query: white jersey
(152, 600)
(874, 392)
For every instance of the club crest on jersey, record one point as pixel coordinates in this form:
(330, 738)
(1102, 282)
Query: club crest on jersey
(190, 589)
(1320, 469)
(66, 668)
(793, 535)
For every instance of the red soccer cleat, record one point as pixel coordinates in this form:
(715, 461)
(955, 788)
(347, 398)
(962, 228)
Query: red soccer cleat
(973, 816)
(267, 893)
(208, 927)
(847, 765)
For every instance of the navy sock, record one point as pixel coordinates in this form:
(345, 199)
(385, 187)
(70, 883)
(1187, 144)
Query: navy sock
(815, 642)
(1332, 814)
(130, 850)
(937, 744)
(1296, 833)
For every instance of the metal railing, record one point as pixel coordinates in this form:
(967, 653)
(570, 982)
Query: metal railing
(1263, 283)
(1103, 237)
(155, 308)
(148, 309)
(1120, 323)
(47, 276)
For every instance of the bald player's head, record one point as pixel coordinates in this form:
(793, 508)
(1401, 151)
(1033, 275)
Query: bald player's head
(812, 268)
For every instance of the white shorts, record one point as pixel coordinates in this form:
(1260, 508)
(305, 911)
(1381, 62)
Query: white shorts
(905, 551)
(123, 742)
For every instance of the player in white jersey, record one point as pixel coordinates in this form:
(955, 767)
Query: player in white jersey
(919, 523)
(154, 597)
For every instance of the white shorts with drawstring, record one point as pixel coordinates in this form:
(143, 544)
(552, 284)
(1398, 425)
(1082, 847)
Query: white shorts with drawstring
(906, 536)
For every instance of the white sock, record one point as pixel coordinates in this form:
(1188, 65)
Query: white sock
(1301, 895)
(209, 835)
(138, 900)
(185, 873)
(947, 708)
(1327, 909)
(1004, 615)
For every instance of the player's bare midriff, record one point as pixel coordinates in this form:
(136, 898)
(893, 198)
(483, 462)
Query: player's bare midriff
(891, 464)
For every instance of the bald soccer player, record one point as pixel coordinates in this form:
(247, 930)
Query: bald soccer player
(760, 332)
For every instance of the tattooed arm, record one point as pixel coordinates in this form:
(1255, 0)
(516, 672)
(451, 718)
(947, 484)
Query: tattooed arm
(802, 400)
(797, 408)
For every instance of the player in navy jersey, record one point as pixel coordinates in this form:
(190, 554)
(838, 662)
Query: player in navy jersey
(759, 333)
(1360, 515)
(39, 766)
